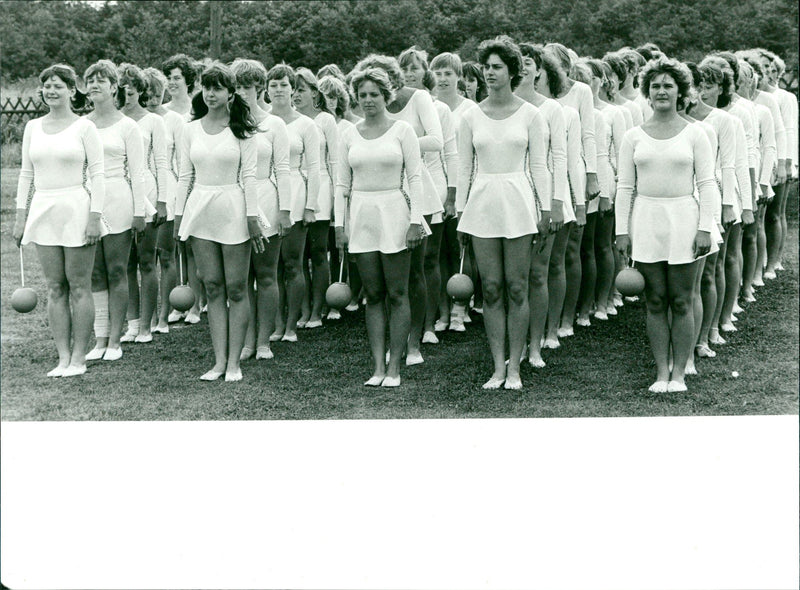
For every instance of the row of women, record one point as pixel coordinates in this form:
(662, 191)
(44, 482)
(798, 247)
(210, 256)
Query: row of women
(547, 171)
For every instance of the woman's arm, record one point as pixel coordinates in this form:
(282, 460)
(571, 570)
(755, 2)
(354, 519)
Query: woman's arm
(465, 162)
(433, 139)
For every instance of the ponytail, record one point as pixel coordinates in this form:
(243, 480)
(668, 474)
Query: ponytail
(241, 121)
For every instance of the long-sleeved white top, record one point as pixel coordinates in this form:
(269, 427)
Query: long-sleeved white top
(742, 164)
(272, 141)
(615, 121)
(420, 113)
(635, 111)
(555, 130)
(62, 160)
(666, 168)
(502, 146)
(644, 105)
(372, 165)
(458, 112)
(769, 101)
(712, 140)
(766, 144)
(304, 153)
(447, 159)
(154, 136)
(750, 122)
(580, 98)
(787, 103)
(574, 156)
(123, 157)
(329, 142)
(602, 138)
(724, 125)
(174, 124)
(217, 160)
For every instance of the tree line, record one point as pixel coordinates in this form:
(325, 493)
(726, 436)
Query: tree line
(314, 33)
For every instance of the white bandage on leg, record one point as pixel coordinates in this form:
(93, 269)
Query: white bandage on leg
(101, 321)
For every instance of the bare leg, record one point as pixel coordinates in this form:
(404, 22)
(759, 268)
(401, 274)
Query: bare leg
(292, 253)
(658, 331)
(52, 260)
(236, 261)
(516, 271)
(370, 269)
(538, 296)
(572, 266)
(208, 256)
(556, 285)
(78, 270)
(680, 283)
(588, 267)
(489, 256)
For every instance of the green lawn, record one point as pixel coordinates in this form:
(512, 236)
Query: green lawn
(602, 371)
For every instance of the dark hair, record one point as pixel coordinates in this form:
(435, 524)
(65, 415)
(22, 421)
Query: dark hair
(618, 66)
(462, 87)
(556, 77)
(218, 75)
(386, 63)
(508, 52)
(472, 70)
(600, 69)
(281, 71)
(672, 68)
(68, 76)
(333, 85)
(429, 80)
(331, 70)
(697, 78)
(649, 51)
(130, 74)
(185, 64)
(717, 71)
(310, 80)
(250, 72)
(377, 76)
(733, 62)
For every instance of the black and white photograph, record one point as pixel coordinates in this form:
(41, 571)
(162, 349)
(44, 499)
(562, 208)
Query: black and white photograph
(399, 294)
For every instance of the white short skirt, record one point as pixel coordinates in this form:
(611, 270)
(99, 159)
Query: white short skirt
(268, 203)
(118, 205)
(569, 210)
(58, 217)
(379, 221)
(217, 214)
(325, 199)
(440, 183)
(299, 189)
(664, 229)
(431, 203)
(500, 206)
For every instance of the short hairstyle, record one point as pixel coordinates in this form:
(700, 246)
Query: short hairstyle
(377, 76)
(185, 64)
(716, 70)
(752, 58)
(632, 58)
(131, 75)
(618, 66)
(386, 63)
(561, 53)
(581, 72)
(697, 77)
(779, 65)
(281, 71)
(156, 81)
(556, 78)
(250, 72)
(429, 80)
(413, 53)
(508, 52)
(471, 70)
(672, 68)
(67, 75)
(733, 63)
(105, 69)
(447, 60)
(745, 69)
(649, 51)
(310, 80)
(331, 70)
(333, 85)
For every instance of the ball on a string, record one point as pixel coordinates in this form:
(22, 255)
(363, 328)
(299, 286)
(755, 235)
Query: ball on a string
(460, 287)
(629, 282)
(24, 299)
(338, 295)
(181, 298)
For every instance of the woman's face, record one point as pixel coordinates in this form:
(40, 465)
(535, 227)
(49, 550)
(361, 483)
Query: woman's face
(613, 81)
(446, 81)
(496, 73)
(370, 98)
(216, 96)
(280, 91)
(131, 96)
(248, 93)
(331, 101)
(413, 73)
(302, 96)
(770, 71)
(176, 83)
(529, 70)
(710, 92)
(471, 85)
(596, 84)
(154, 99)
(99, 88)
(663, 93)
(55, 92)
(542, 83)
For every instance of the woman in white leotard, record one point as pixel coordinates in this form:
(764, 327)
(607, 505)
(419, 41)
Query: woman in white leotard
(59, 203)
(667, 230)
(379, 173)
(217, 210)
(503, 167)
(124, 208)
(274, 200)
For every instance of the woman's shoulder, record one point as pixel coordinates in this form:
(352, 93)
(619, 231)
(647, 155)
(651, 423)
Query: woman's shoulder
(325, 119)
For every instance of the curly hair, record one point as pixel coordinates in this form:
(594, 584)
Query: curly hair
(68, 76)
(447, 60)
(672, 68)
(156, 82)
(333, 85)
(752, 59)
(649, 51)
(131, 75)
(250, 72)
(185, 64)
(716, 70)
(556, 78)
(733, 63)
(618, 66)
(331, 70)
(581, 72)
(377, 76)
(218, 75)
(508, 52)
(386, 63)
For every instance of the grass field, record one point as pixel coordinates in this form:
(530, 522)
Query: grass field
(602, 371)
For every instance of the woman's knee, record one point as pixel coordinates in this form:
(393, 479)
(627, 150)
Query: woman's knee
(517, 291)
(682, 303)
(656, 302)
(57, 288)
(236, 290)
(492, 290)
